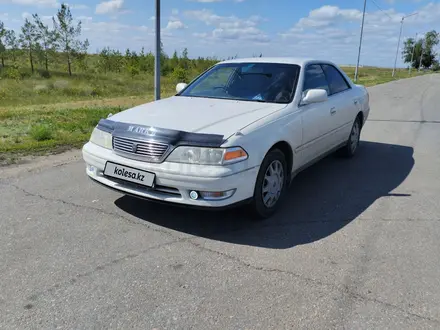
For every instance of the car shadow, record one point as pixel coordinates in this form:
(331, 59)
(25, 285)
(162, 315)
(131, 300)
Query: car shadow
(322, 200)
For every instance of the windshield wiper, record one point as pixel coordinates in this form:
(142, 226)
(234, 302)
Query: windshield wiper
(268, 75)
(260, 101)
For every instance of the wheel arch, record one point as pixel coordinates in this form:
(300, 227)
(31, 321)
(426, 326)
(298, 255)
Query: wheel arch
(286, 149)
(361, 116)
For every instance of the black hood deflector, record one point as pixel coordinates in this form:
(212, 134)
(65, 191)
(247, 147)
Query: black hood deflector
(165, 135)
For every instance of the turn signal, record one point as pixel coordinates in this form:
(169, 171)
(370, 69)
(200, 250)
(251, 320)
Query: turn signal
(216, 195)
(233, 155)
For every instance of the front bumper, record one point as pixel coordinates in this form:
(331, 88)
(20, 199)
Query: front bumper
(173, 181)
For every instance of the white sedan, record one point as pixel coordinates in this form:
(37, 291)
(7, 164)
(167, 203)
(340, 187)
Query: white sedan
(238, 133)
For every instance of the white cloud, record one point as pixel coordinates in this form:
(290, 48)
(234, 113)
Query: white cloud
(210, 1)
(84, 18)
(200, 34)
(78, 6)
(332, 32)
(43, 3)
(40, 3)
(26, 15)
(230, 27)
(175, 25)
(109, 7)
(327, 15)
(328, 32)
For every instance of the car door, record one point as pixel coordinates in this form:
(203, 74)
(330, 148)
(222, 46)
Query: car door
(318, 119)
(344, 99)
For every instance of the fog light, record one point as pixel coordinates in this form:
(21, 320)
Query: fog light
(216, 195)
(91, 168)
(193, 195)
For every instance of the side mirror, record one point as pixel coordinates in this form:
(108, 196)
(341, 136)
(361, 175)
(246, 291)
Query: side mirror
(315, 96)
(180, 87)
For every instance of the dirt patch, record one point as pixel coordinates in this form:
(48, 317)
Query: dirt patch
(26, 164)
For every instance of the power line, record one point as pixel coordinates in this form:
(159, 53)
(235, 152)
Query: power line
(362, 32)
(375, 3)
(383, 11)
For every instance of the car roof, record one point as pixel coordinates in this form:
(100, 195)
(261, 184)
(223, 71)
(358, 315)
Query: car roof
(279, 60)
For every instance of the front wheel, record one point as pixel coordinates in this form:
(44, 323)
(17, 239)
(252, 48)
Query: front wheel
(271, 184)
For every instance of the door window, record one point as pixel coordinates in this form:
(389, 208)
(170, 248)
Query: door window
(335, 79)
(315, 79)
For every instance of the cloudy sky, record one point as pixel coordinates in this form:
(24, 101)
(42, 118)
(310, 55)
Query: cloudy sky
(222, 28)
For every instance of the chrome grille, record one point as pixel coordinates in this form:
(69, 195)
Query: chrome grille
(151, 150)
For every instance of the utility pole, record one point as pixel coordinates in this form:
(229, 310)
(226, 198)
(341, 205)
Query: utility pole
(360, 43)
(412, 56)
(157, 54)
(421, 56)
(398, 43)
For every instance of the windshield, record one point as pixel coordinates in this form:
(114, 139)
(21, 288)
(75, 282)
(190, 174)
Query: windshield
(259, 82)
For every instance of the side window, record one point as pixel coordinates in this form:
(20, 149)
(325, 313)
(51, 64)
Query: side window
(315, 79)
(336, 81)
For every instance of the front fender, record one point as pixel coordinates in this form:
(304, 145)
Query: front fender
(258, 138)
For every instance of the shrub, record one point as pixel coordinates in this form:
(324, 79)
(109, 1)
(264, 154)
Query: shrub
(13, 73)
(41, 132)
(45, 74)
(180, 75)
(41, 89)
(60, 84)
(133, 70)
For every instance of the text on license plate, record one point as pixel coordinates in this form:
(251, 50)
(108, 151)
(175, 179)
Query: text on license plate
(129, 174)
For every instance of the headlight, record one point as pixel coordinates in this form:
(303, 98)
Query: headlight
(101, 138)
(207, 156)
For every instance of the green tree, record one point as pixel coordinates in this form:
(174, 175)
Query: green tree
(81, 55)
(28, 40)
(104, 60)
(67, 35)
(185, 60)
(185, 54)
(422, 49)
(2, 42)
(12, 44)
(429, 56)
(45, 38)
(174, 61)
(132, 63)
(412, 50)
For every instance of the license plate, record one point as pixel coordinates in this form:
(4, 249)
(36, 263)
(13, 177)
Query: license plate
(128, 173)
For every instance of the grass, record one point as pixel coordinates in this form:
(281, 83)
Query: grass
(371, 76)
(37, 90)
(46, 130)
(39, 115)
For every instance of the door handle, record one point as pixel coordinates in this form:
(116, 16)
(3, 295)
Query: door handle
(355, 102)
(333, 111)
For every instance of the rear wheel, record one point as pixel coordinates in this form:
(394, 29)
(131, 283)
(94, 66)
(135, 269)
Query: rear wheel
(353, 140)
(271, 184)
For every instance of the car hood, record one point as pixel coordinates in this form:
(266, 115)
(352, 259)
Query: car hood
(198, 115)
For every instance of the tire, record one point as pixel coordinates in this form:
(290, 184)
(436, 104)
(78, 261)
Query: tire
(349, 150)
(266, 203)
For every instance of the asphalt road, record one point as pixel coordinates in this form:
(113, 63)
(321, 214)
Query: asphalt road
(357, 246)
